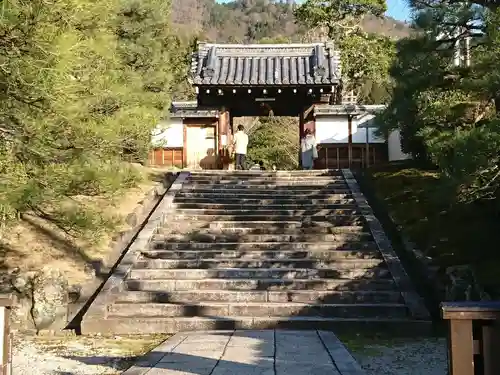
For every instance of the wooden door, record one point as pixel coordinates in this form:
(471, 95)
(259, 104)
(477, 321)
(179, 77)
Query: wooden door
(200, 144)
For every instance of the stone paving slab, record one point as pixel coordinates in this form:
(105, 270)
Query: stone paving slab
(253, 352)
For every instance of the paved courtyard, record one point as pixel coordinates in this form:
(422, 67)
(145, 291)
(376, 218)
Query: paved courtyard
(271, 352)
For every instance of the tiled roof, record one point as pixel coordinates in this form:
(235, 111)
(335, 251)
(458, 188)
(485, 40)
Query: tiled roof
(265, 64)
(191, 110)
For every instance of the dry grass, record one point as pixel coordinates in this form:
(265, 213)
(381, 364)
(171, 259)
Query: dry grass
(123, 346)
(80, 354)
(35, 243)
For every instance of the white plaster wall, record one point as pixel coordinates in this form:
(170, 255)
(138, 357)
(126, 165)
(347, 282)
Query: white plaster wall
(168, 133)
(394, 144)
(359, 134)
(333, 129)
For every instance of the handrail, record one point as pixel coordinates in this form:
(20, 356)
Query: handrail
(474, 337)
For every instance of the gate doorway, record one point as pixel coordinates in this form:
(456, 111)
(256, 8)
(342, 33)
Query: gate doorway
(201, 146)
(271, 81)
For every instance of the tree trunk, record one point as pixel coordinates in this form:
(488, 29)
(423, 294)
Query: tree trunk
(338, 93)
(497, 103)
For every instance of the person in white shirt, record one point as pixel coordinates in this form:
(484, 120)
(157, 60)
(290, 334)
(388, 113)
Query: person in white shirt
(240, 147)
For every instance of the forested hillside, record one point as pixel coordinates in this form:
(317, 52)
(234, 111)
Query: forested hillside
(259, 20)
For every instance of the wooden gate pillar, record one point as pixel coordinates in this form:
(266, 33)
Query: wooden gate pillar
(223, 134)
(301, 134)
(349, 139)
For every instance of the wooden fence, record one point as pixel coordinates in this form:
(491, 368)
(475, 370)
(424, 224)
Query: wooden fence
(337, 155)
(166, 157)
(474, 337)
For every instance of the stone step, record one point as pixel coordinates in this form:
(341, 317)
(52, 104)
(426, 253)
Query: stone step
(260, 176)
(263, 296)
(257, 309)
(296, 236)
(252, 173)
(275, 225)
(256, 273)
(251, 246)
(266, 174)
(274, 207)
(265, 201)
(303, 213)
(275, 264)
(122, 326)
(259, 173)
(262, 195)
(339, 220)
(332, 285)
(310, 255)
(353, 232)
(250, 185)
(246, 189)
(290, 228)
(263, 178)
(271, 189)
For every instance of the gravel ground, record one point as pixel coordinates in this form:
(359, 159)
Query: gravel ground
(402, 357)
(78, 355)
(111, 356)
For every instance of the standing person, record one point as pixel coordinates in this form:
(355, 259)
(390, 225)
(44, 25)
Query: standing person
(309, 150)
(240, 147)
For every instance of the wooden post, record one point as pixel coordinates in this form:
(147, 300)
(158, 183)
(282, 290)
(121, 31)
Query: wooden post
(474, 337)
(349, 139)
(6, 303)
(184, 145)
(301, 134)
(326, 157)
(490, 347)
(231, 130)
(367, 156)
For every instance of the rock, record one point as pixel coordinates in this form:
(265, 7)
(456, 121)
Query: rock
(21, 284)
(460, 284)
(74, 293)
(50, 296)
(131, 219)
(41, 299)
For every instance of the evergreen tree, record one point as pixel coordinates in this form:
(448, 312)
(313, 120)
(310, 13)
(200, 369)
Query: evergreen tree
(365, 57)
(445, 108)
(82, 85)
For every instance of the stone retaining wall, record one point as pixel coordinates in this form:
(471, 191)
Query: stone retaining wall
(57, 307)
(119, 246)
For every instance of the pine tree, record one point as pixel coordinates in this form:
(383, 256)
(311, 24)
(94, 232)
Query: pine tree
(82, 85)
(448, 112)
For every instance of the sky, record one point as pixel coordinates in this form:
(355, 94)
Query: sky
(397, 9)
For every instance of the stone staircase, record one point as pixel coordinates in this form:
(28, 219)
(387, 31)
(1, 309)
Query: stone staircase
(260, 250)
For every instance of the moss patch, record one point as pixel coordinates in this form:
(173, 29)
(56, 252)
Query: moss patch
(451, 233)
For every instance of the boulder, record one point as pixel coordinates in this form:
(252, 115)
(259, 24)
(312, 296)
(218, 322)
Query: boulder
(460, 284)
(41, 299)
